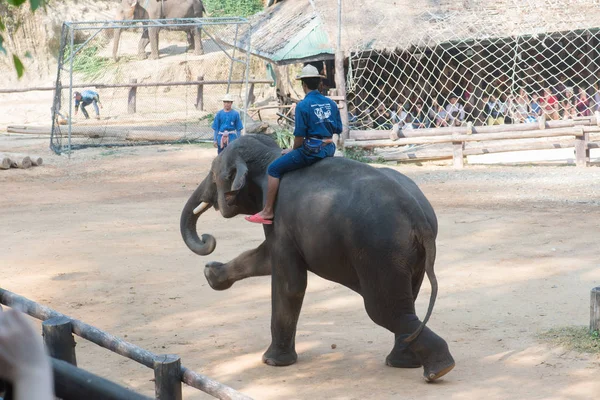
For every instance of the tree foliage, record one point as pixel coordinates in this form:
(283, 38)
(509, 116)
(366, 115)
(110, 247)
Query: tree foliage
(238, 8)
(7, 9)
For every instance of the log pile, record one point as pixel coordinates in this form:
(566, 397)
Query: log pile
(16, 160)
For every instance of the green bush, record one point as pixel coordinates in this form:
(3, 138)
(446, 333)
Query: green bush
(237, 8)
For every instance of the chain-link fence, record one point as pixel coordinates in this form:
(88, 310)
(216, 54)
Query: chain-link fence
(510, 62)
(112, 90)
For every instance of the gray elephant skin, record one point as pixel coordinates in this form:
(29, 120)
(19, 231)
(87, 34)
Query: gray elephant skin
(153, 9)
(369, 229)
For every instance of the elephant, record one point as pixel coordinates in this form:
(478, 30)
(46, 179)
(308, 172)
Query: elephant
(153, 9)
(369, 229)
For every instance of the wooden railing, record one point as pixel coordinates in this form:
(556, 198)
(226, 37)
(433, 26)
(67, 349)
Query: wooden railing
(471, 140)
(58, 330)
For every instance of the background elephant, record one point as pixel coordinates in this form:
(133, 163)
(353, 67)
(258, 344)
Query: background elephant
(371, 230)
(153, 9)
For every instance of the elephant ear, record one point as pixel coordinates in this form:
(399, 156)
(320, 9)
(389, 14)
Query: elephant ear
(241, 171)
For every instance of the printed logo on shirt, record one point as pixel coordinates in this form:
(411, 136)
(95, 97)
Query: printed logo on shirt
(322, 111)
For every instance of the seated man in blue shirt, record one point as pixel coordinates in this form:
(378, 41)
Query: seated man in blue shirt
(227, 125)
(317, 120)
(86, 98)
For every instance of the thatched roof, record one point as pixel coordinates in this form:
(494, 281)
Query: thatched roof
(308, 28)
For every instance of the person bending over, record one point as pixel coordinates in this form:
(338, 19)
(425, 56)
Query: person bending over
(317, 120)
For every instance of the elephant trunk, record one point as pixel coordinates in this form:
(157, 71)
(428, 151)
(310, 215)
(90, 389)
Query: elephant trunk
(193, 209)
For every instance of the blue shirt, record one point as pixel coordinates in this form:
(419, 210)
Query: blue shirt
(317, 116)
(87, 97)
(227, 121)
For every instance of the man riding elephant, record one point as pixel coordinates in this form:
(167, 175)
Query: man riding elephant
(152, 9)
(369, 229)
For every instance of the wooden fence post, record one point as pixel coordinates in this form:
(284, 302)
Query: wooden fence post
(582, 152)
(200, 95)
(167, 375)
(595, 310)
(58, 338)
(458, 155)
(131, 100)
(250, 99)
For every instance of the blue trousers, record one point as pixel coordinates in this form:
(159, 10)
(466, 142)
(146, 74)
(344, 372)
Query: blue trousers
(298, 158)
(84, 111)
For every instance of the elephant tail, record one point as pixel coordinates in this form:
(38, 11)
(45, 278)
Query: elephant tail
(428, 243)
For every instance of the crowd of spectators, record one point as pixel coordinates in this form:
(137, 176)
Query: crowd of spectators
(490, 107)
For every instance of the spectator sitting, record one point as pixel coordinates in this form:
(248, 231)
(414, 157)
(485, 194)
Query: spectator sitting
(439, 115)
(492, 109)
(455, 111)
(583, 104)
(382, 118)
(568, 111)
(535, 109)
(352, 117)
(549, 104)
(420, 118)
(399, 116)
(504, 104)
(596, 97)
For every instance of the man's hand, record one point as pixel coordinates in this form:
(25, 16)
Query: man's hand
(285, 151)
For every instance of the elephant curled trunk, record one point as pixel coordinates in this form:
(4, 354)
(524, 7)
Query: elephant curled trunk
(206, 244)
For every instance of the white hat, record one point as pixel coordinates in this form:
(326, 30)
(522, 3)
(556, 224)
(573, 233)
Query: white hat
(227, 97)
(309, 71)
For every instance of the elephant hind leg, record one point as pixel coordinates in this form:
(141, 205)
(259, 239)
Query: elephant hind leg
(401, 356)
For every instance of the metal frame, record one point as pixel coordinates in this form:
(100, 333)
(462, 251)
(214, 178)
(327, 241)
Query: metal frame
(68, 36)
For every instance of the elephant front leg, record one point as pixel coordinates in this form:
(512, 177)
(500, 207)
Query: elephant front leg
(288, 285)
(153, 33)
(198, 49)
(143, 43)
(248, 264)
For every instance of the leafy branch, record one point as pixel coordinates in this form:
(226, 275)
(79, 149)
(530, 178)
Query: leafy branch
(7, 9)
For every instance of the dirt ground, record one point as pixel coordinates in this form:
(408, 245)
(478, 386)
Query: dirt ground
(97, 238)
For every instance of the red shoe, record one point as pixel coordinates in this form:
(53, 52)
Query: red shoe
(257, 219)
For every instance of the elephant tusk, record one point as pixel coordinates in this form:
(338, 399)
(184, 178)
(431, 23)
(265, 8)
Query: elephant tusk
(203, 206)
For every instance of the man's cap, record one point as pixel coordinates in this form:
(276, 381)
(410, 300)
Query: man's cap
(309, 71)
(227, 97)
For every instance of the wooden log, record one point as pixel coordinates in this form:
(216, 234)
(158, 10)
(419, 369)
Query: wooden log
(457, 154)
(72, 383)
(200, 94)
(58, 338)
(35, 160)
(132, 97)
(119, 346)
(21, 162)
(5, 162)
(373, 134)
(582, 152)
(595, 310)
(475, 148)
(468, 138)
(167, 377)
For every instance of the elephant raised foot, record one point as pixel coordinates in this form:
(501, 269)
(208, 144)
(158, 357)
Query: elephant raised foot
(216, 276)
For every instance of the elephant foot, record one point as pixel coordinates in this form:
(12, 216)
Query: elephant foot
(217, 276)
(142, 56)
(198, 52)
(279, 358)
(433, 353)
(403, 358)
(154, 56)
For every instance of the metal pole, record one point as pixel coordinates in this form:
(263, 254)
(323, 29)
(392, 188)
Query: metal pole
(232, 57)
(246, 105)
(71, 87)
(339, 38)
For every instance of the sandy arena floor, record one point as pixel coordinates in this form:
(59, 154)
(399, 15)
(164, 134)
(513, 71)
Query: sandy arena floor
(97, 238)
